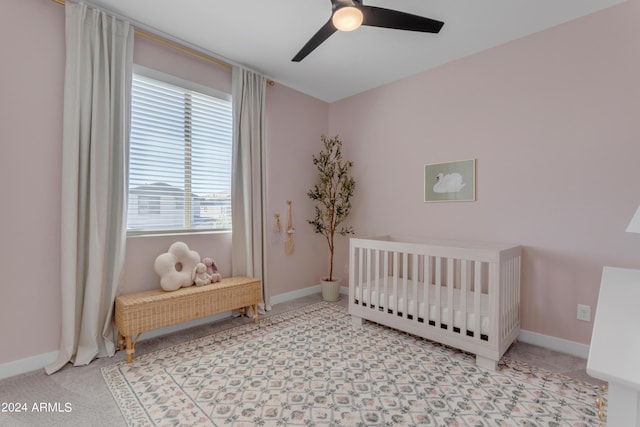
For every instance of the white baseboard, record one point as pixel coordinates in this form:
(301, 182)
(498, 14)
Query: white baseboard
(288, 296)
(552, 343)
(311, 290)
(32, 363)
(27, 364)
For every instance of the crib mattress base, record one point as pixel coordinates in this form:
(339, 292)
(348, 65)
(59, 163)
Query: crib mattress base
(470, 332)
(471, 325)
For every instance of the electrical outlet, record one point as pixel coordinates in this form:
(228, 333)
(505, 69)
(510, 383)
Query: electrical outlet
(584, 312)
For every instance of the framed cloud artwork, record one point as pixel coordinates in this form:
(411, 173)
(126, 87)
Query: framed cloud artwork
(450, 182)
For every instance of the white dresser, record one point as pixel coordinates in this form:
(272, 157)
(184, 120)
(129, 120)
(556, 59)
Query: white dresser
(614, 354)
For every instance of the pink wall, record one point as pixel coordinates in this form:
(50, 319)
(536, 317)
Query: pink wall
(552, 120)
(29, 257)
(294, 126)
(31, 113)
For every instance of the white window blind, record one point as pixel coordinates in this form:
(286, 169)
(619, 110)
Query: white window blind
(179, 159)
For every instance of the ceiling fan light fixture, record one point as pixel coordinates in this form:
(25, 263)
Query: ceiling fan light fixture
(347, 18)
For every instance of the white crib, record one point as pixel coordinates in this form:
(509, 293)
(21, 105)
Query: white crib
(462, 294)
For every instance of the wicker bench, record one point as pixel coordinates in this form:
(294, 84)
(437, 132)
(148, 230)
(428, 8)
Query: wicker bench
(144, 311)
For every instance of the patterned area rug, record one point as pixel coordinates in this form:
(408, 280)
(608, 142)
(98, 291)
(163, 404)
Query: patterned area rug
(311, 367)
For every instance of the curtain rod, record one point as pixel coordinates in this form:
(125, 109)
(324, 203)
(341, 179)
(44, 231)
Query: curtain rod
(179, 47)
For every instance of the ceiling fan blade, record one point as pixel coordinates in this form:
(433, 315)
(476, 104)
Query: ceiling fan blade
(387, 18)
(315, 41)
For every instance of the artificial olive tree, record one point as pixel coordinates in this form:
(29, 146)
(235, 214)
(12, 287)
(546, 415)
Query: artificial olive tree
(331, 194)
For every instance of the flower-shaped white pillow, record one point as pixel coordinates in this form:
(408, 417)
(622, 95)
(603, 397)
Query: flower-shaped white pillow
(176, 266)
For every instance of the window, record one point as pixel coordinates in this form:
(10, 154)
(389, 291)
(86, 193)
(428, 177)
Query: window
(179, 156)
(148, 205)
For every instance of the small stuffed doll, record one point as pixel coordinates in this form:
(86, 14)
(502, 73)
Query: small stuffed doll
(212, 269)
(200, 276)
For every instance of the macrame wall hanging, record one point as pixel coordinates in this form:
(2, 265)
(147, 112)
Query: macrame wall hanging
(289, 242)
(277, 236)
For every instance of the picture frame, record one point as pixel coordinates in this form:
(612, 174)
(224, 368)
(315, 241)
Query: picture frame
(450, 182)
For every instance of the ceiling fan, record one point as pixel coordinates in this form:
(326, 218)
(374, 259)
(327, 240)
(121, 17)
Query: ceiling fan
(347, 15)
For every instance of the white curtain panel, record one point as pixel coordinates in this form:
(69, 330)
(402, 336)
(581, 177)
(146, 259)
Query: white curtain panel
(99, 52)
(248, 175)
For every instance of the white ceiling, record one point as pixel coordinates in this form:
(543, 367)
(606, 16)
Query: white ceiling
(264, 35)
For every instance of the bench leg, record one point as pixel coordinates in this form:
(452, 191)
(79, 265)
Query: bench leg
(121, 341)
(254, 307)
(130, 349)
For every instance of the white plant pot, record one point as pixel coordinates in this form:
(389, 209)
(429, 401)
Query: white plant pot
(330, 289)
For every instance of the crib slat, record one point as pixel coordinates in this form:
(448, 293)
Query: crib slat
(426, 286)
(464, 287)
(405, 292)
(360, 278)
(385, 279)
(437, 300)
(516, 284)
(395, 284)
(510, 322)
(477, 291)
(512, 293)
(414, 287)
(376, 272)
(369, 282)
(450, 301)
(370, 277)
(352, 273)
(494, 302)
